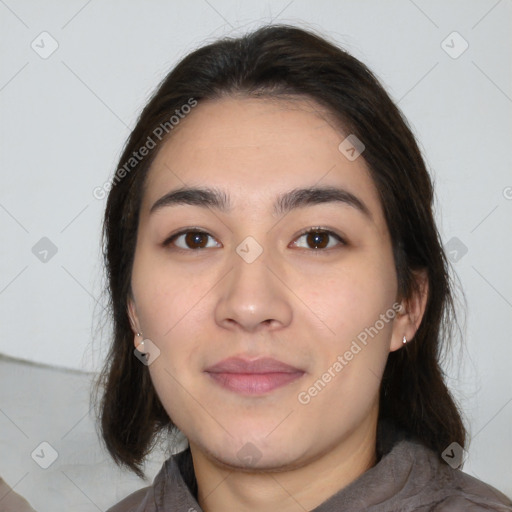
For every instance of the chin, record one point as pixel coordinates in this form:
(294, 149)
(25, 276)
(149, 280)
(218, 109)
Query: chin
(254, 453)
(251, 459)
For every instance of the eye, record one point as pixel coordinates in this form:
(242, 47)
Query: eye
(191, 240)
(318, 238)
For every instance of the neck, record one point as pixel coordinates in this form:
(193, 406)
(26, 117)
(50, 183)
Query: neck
(286, 490)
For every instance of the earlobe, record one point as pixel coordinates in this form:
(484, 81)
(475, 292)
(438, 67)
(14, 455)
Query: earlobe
(139, 343)
(401, 326)
(134, 322)
(411, 313)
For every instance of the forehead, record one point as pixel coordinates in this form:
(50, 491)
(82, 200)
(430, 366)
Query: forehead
(256, 149)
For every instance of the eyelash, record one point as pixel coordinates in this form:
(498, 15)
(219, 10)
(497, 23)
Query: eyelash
(323, 231)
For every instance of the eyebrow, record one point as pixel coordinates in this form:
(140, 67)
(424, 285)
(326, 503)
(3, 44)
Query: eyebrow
(207, 197)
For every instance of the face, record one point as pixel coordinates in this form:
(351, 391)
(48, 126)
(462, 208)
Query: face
(273, 313)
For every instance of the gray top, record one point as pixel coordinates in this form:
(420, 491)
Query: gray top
(407, 477)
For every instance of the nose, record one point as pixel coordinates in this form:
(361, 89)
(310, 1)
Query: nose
(252, 298)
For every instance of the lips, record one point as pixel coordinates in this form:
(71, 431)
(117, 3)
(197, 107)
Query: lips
(262, 365)
(253, 377)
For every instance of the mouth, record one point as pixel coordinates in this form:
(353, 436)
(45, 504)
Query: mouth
(254, 377)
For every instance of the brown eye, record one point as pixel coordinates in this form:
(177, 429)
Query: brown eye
(196, 240)
(192, 240)
(319, 239)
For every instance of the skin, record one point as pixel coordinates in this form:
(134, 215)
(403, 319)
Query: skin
(300, 305)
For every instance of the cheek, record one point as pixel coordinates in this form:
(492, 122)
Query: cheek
(344, 383)
(166, 296)
(171, 308)
(354, 301)
(351, 297)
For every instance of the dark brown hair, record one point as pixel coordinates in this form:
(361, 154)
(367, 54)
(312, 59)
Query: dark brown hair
(282, 61)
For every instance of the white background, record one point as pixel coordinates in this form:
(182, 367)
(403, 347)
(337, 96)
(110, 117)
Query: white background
(65, 118)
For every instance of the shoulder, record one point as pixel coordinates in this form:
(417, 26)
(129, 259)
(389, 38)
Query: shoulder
(468, 494)
(424, 482)
(465, 504)
(452, 490)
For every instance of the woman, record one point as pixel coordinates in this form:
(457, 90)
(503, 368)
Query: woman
(279, 292)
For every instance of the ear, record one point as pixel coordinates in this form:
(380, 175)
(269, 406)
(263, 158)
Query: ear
(408, 320)
(135, 324)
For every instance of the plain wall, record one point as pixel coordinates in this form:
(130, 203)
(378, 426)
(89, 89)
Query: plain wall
(64, 120)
